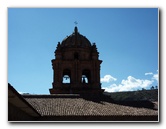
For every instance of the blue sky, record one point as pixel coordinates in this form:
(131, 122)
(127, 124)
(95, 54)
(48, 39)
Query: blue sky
(127, 40)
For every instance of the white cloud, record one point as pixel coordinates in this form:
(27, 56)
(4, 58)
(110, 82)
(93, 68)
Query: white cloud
(150, 73)
(155, 77)
(108, 78)
(130, 84)
(22, 92)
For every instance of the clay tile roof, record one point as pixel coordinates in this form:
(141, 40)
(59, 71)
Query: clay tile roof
(74, 105)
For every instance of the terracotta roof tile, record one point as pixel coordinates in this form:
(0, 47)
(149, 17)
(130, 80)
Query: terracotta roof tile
(77, 106)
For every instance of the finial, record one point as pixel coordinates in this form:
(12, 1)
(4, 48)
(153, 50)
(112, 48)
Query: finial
(76, 30)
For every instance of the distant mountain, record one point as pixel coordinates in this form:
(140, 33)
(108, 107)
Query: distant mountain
(151, 95)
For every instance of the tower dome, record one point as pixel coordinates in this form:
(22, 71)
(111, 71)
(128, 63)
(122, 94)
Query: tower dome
(75, 40)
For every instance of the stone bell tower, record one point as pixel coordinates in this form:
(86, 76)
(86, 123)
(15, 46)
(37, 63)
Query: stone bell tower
(76, 67)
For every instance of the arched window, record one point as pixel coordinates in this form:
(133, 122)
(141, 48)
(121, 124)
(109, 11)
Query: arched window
(86, 76)
(66, 76)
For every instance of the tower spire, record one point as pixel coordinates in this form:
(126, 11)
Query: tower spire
(76, 29)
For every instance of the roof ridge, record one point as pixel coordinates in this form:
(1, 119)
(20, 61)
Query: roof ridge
(50, 96)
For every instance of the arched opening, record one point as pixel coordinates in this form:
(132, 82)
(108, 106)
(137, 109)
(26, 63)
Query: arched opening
(86, 76)
(84, 79)
(66, 76)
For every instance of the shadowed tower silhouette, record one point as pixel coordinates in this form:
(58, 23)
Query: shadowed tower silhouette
(76, 67)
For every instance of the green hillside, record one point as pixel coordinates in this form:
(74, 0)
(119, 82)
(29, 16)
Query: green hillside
(151, 95)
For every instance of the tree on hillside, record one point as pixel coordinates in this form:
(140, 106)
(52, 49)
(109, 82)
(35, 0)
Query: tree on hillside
(143, 89)
(152, 88)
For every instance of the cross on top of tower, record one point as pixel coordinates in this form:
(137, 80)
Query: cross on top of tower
(76, 23)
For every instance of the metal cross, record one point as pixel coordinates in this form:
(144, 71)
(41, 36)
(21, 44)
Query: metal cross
(76, 23)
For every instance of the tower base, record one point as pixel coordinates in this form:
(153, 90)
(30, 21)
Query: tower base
(76, 91)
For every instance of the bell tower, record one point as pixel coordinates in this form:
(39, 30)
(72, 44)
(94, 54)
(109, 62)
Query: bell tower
(76, 67)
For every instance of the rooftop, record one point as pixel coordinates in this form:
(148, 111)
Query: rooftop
(69, 105)
(74, 107)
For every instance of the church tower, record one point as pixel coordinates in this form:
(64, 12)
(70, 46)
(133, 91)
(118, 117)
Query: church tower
(76, 67)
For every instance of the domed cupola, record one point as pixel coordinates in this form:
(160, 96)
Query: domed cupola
(76, 40)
